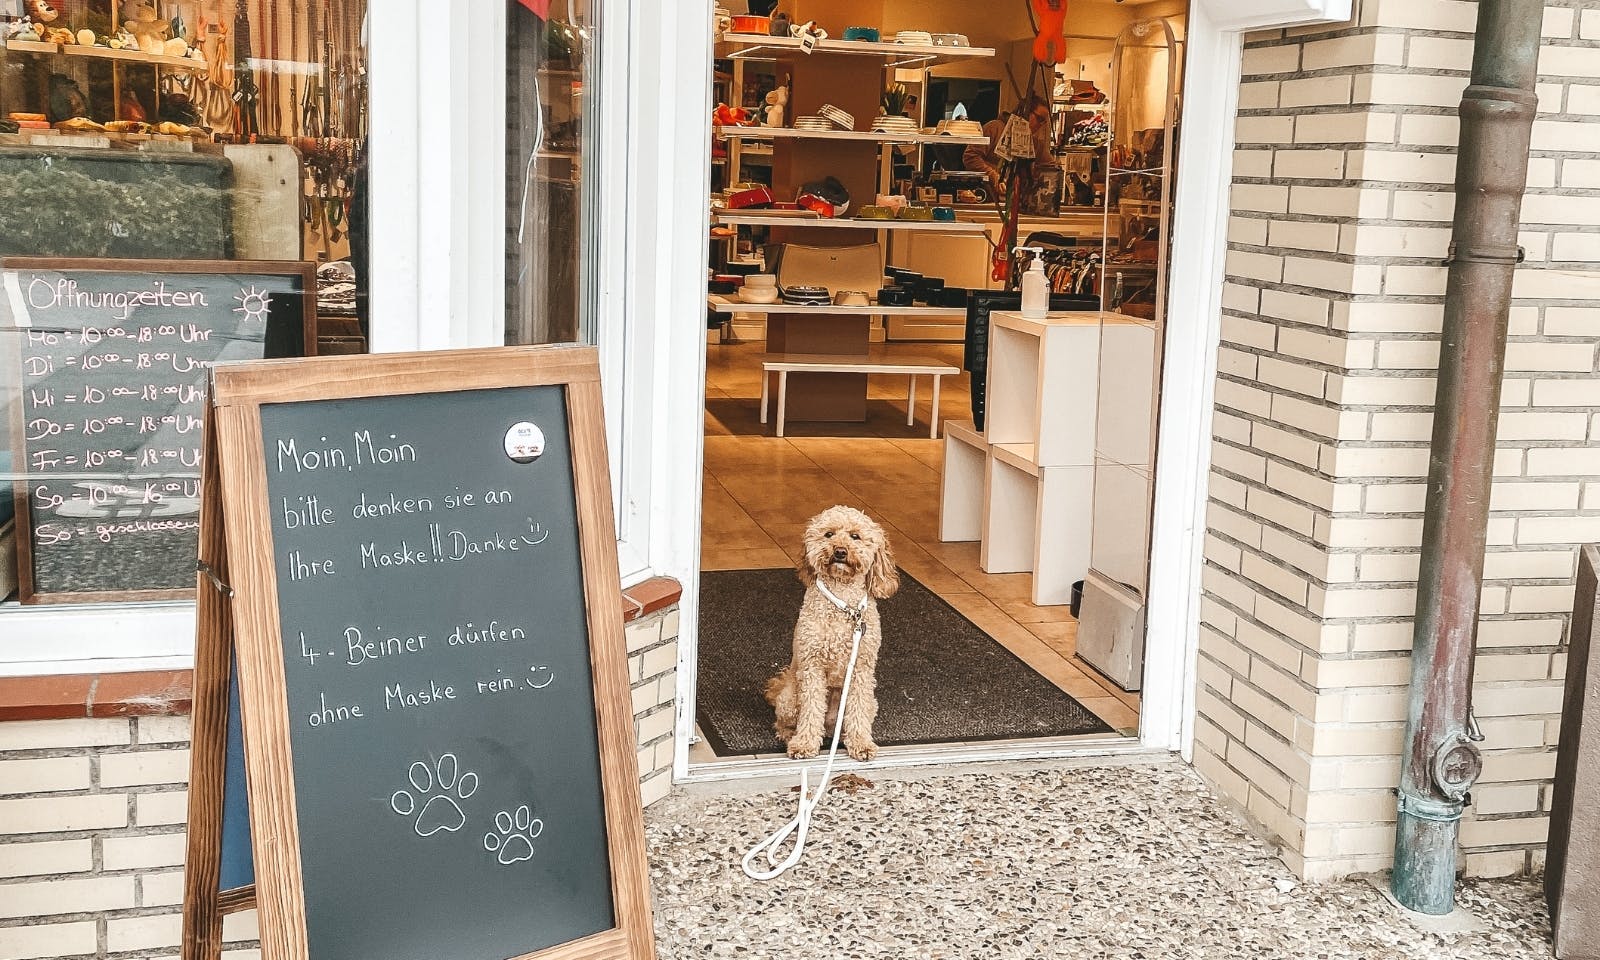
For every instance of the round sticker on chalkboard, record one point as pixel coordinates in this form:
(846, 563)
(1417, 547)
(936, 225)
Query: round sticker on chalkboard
(524, 442)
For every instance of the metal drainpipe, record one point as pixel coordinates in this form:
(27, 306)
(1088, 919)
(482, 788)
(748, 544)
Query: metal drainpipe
(1441, 760)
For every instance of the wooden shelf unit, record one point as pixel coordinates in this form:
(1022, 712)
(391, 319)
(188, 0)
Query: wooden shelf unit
(861, 136)
(734, 46)
(848, 223)
(1053, 424)
(106, 53)
(722, 304)
(851, 76)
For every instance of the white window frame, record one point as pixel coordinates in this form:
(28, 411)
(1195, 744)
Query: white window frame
(437, 276)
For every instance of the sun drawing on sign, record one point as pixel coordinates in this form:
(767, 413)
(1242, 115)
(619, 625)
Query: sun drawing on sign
(253, 304)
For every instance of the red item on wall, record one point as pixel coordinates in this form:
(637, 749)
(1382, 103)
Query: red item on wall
(1050, 46)
(541, 8)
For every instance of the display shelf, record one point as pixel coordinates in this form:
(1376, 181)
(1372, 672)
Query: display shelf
(859, 136)
(722, 304)
(849, 223)
(966, 455)
(106, 53)
(753, 46)
(1035, 467)
(134, 56)
(1023, 456)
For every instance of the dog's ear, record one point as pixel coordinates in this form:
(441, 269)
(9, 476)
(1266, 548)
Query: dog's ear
(883, 576)
(804, 570)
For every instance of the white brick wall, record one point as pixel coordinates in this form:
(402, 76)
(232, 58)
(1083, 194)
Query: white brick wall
(92, 815)
(1330, 343)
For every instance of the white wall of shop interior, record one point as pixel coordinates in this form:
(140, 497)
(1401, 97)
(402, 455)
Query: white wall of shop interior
(1205, 169)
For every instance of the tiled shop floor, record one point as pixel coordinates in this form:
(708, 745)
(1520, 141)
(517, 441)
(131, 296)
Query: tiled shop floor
(760, 490)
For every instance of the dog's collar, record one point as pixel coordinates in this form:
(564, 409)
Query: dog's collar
(860, 608)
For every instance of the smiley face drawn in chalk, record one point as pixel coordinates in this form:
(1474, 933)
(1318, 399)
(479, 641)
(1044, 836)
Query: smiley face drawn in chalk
(440, 787)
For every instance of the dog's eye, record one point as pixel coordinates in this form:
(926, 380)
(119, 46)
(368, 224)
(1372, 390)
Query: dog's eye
(829, 534)
(855, 536)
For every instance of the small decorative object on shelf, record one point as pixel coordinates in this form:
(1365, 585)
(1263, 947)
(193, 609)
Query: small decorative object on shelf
(893, 101)
(809, 34)
(66, 99)
(150, 32)
(726, 116)
(777, 103)
(1092, 132)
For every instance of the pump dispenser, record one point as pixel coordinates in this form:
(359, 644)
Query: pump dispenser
(1035, 287)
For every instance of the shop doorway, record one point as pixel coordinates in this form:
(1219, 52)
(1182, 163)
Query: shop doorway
(975, 522)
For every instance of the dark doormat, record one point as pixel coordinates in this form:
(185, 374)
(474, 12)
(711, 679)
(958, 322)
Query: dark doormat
(940, 677)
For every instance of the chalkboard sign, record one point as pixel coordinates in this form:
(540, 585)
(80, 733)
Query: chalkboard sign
(432, 675)
(110, 358)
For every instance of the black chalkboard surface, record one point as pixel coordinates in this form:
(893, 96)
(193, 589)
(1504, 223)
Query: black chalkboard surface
(110, 358)
(411, 563)
(441, 707)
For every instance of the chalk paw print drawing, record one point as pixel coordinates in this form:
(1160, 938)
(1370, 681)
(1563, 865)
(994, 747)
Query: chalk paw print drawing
(434, 799)
(511, 840)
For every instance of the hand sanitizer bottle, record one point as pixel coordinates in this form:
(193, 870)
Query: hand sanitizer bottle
(1035, 287)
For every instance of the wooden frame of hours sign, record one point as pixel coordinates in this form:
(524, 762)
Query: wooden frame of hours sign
(409, 626)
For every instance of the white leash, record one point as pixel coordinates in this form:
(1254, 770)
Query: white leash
(801, 824)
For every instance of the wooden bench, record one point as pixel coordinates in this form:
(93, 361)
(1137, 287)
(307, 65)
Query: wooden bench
(784, 364)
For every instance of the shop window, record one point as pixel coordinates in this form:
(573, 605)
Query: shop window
(182, 182)
(551, 135)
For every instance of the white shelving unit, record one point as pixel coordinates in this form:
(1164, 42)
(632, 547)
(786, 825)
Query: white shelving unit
(1026, 487)
(848, 223)
(723, 304)
(755, 46)
(855, 136)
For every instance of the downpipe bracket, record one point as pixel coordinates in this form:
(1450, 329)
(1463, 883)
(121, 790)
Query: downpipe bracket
(1428, 808)
(1466, 253)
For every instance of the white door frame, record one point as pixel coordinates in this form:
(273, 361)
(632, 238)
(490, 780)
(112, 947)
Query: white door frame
(1205, 172)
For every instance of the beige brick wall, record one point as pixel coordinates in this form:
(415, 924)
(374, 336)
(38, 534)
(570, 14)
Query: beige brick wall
(1341, 214)
(92, 820)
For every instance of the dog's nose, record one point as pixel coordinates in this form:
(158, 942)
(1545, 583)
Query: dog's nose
(840, 555)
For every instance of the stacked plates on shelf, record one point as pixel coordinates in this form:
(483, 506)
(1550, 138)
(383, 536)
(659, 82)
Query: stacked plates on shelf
(960, 128)
(895, 125)
(809, 296)
(759, 288)
(839, 118)
(812, 122)
(919, 38)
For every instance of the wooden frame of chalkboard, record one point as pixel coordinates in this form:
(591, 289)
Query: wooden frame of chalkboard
(204, 902)
(301, 272)
(240, 617)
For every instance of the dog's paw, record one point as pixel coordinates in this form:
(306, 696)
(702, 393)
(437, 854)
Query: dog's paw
(859, 750)
(799, 751)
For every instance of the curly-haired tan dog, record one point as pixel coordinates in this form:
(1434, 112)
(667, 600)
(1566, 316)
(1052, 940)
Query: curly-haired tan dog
(846, 552)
